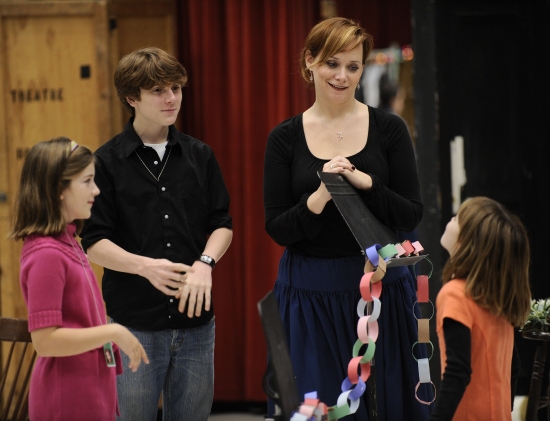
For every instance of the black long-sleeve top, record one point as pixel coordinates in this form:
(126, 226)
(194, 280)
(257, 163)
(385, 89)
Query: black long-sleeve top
(290, 177)
(168, 218)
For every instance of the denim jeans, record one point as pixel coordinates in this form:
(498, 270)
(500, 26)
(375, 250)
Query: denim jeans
(181, 366)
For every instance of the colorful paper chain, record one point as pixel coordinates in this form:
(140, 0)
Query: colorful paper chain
(311, 410)
(423, 296)
(354, 385)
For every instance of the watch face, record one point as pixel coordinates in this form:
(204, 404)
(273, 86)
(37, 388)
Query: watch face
(208, 260)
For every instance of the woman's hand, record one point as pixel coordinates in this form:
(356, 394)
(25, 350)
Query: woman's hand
(356, 178)
(318, 199)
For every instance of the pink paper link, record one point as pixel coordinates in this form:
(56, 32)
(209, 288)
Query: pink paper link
(364, 286)
(311, 402)
(376, 289)
(423, 292)
(400, 250)
(408, 247)
(420, 400)
(417, 247)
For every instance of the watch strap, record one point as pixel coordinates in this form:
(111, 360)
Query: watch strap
(208, 260)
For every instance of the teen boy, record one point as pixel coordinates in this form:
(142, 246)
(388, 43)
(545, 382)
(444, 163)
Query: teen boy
(158, 228)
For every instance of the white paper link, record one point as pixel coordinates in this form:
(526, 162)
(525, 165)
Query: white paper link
(424, 370)
(343, 399)
(362, 305)
(299, 417)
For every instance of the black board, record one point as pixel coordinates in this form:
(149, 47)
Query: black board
(279, 382)
(366, 228)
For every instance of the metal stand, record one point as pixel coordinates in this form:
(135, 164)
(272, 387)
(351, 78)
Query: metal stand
(535, 400)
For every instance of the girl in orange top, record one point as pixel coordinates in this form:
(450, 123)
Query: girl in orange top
(485, 294)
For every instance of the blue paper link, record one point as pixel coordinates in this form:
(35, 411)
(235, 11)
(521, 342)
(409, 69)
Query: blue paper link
(312, 395)
(355, 393)
(372, 254)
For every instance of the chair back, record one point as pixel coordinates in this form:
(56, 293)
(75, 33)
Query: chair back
(17, 360)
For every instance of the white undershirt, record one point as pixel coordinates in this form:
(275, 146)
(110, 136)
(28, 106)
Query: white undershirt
(159, 147)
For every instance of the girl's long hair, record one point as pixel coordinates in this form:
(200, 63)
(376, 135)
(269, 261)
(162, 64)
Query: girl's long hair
(492, 255)
(47, 172)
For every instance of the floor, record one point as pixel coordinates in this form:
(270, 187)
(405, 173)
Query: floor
(520, 405)
(233, 411)
(236, 417)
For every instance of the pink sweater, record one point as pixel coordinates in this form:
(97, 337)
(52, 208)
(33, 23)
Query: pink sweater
(57, 293)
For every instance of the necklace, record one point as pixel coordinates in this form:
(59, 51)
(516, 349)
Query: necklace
(340, 133)
(147, 168)
(86, 275)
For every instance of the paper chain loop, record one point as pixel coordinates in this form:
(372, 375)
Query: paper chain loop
(359, 368)
(423, 296)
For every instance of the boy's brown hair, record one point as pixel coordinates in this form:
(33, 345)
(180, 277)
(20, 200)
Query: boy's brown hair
(143, 69)
(492, 255)
(47, 172)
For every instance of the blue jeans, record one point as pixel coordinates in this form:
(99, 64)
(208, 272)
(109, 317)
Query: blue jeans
(181, 366)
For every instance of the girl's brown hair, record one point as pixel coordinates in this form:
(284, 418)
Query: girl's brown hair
(492, 255)
(47, 172)
(332, 36)
(145, 68)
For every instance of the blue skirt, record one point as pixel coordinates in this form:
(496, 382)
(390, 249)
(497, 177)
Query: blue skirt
(317, 300)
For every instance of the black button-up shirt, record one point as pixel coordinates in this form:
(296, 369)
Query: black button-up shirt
(159, 209)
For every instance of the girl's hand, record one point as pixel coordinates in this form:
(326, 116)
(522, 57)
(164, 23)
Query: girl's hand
(131, 346)
(356, 178)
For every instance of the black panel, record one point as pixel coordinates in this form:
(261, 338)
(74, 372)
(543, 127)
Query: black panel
(493, 90)
(279, 380)
(366, 228)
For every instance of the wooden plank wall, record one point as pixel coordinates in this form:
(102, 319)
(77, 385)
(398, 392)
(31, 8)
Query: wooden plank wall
(57, 60)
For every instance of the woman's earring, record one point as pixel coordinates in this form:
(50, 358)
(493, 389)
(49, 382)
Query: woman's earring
(310, 76)
(358, 86)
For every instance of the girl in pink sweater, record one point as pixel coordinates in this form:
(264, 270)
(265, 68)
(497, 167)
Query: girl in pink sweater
(74, 375)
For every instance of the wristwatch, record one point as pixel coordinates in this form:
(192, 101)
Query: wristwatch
(208, 260)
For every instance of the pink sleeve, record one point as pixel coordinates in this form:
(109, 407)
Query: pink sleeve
(453, 303)
(43, 277)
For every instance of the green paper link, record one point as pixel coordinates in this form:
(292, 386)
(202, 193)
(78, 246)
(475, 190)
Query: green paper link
(337, 412)
(433, 310)
(370, 350)
(387, 251)
(431, 267)
(412, 350)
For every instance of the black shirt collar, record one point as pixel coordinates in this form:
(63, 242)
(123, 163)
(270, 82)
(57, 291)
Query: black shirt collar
(131, 140)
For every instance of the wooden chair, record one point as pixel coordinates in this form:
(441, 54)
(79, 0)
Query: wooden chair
(18, 357)
(535, 401)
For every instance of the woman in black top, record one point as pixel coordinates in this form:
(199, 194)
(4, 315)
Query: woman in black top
(319, 273)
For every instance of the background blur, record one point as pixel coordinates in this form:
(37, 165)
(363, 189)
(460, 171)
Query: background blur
(473, 85)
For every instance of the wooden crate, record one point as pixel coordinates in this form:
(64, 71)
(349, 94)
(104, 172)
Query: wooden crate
(137, 24)
(57, 59)
(54, 81)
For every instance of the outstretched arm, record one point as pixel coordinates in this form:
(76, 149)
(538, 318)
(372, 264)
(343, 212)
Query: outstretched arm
(64, 342)
(163, 274)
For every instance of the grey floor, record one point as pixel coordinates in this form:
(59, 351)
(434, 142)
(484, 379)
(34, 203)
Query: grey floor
(235, 417)
(520, 405)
